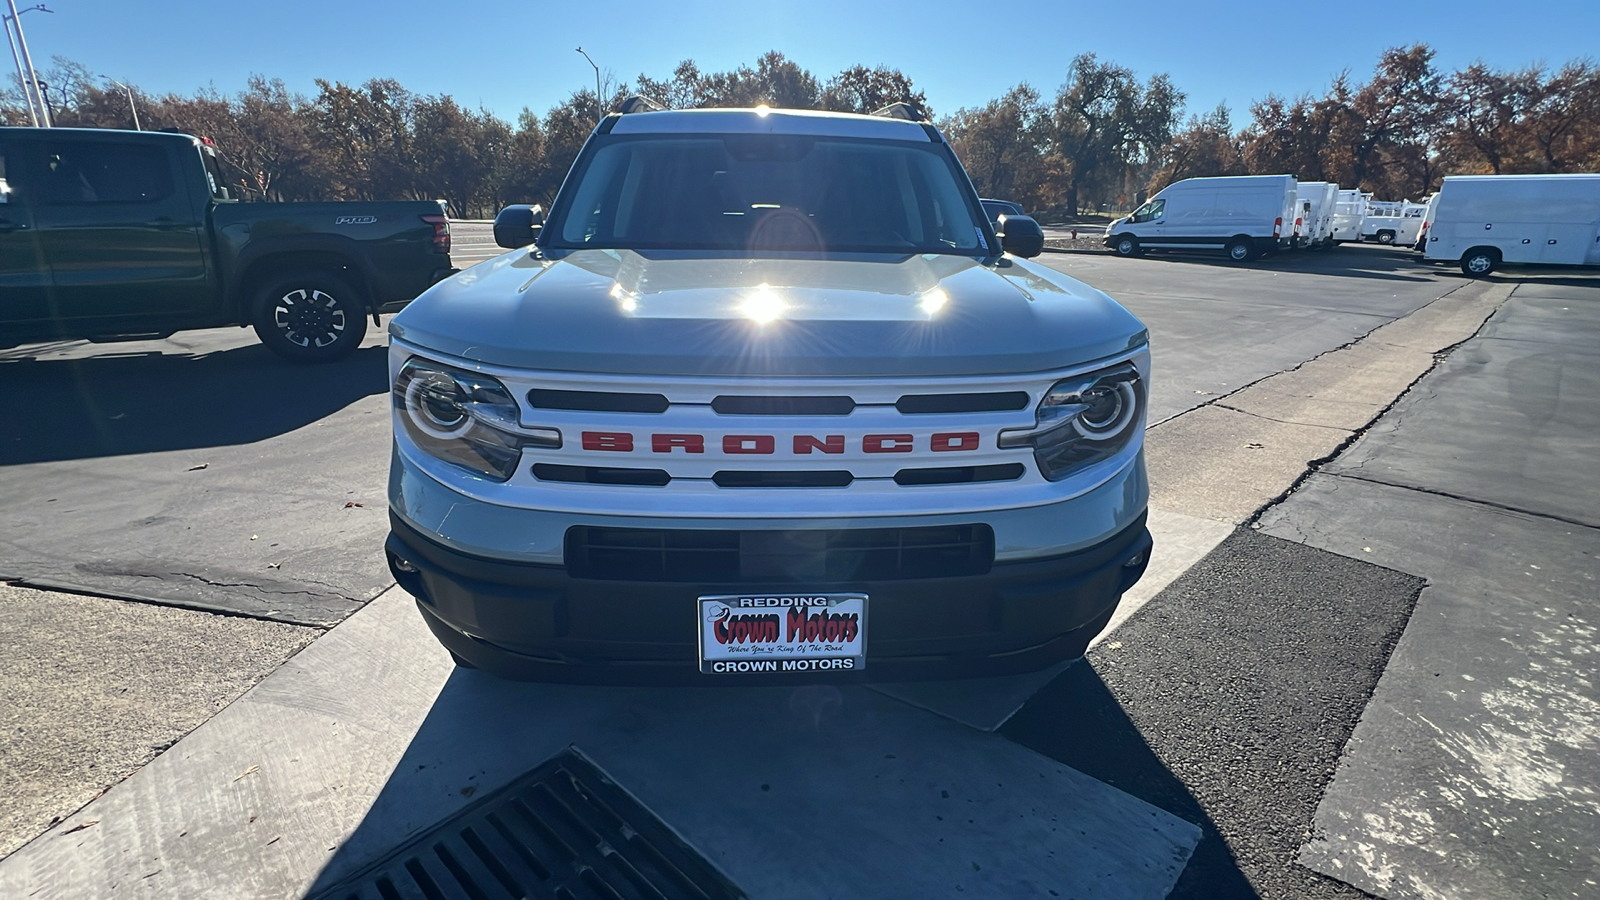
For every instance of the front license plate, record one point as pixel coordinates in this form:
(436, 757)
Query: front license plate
(753, 633)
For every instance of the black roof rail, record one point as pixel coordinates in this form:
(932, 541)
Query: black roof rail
(637, 103)
(910, 112)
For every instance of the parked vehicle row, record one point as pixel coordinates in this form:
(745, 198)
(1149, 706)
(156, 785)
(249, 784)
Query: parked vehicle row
(1479, 222)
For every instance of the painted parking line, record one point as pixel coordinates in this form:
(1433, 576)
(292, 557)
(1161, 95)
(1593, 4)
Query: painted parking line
(370, 734)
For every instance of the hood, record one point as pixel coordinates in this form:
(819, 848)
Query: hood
(622, 312)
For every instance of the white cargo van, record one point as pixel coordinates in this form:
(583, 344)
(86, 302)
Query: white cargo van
(1486, 221)
(1244, 217)
(1349, 211)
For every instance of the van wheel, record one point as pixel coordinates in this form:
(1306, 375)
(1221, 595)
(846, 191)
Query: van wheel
(1385, 237)
(1127, 246)
(310, 316)
(1238, 250)
(1479, 261)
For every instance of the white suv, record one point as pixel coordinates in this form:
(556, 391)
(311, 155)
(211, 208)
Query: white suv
(764, 399)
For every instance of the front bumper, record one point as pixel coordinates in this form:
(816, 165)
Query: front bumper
(538, 622)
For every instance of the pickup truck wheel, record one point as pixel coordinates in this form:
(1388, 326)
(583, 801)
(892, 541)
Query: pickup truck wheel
(1385, 237)
(310, 316)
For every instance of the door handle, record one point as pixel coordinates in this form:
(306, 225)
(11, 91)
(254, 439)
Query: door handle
(1551, 241)
(7, 226)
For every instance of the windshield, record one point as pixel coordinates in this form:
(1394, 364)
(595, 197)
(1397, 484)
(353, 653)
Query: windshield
(770, 192)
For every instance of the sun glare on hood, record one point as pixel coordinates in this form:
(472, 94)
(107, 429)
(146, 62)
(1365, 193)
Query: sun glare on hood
(762, 306)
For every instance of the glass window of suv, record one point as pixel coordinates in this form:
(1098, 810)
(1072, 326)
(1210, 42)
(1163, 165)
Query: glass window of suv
(105, 172)
(765, 192)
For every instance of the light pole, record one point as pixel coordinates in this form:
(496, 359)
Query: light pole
(30, 81)
(131, 108)
(598, 110)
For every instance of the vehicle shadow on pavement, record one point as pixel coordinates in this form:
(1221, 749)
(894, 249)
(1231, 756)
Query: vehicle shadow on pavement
(118, 404)
(1103, 743)
(1364, 262)
(896, 801)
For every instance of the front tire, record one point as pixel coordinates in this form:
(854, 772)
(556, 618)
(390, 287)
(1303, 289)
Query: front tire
(1126, 246)
(310, 316)
(1479, 262)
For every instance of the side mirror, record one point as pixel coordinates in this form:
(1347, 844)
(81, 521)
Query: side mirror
(1021, 236)
(516, 226)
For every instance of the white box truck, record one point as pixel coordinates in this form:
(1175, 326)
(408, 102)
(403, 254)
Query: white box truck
(1393, 223)
(1243, 216)
(1485, 221)
(1317, 232)
(1430, 205)
(1349, 211)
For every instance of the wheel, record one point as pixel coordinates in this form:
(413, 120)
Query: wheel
(1238, 250)
(461, 661)
(1385, 237)
(310, 316)
(1127, 246)
(1479, 261)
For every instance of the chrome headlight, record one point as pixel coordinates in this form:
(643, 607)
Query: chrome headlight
(465, 418)
(1083, 420)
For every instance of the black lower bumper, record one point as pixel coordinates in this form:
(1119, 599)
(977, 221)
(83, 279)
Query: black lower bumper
(539, 623)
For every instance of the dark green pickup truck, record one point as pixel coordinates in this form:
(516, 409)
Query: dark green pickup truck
(125, 235)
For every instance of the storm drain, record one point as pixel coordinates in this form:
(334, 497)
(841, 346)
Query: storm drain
(562, 831)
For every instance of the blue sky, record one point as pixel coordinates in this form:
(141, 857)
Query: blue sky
(506, 54)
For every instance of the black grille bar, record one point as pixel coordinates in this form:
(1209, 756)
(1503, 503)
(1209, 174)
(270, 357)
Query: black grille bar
(598, 401)
(818, 555)
(600, 475)
(959, 474)
(735, 478)
(783, 406)
(999, 401)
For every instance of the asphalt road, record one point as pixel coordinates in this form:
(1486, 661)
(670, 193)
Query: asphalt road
(202, 472)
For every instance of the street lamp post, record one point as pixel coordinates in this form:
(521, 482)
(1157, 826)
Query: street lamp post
(30, 80)
(131, 108)
(599, 112)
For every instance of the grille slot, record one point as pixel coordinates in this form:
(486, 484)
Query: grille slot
(822, 555)
(563, 830)
(600, 475)
(753, 479)
(959, 474)
(729, 405)
(598, 401)
(998, 401)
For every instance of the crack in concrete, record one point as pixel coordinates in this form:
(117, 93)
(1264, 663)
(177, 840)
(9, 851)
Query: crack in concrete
(256, 587)
(1552, 517)
(1344, 346)
(1279, 421)
(1315, 466)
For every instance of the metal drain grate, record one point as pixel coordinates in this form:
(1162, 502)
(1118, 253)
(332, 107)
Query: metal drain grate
(563, 831)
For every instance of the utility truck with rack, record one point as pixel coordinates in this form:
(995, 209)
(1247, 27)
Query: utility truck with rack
(766, 398)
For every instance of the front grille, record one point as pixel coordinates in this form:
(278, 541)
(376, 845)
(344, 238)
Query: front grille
(783, 406)
(817, 555)
(564, 830)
